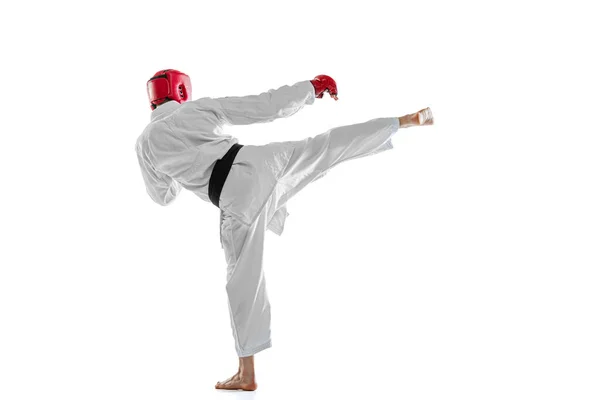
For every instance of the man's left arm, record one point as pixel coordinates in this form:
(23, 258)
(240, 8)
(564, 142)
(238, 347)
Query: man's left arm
(268, 106)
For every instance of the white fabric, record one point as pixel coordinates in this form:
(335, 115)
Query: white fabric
(183, 141)
(289, 167)
(179, 148)
(285, 167)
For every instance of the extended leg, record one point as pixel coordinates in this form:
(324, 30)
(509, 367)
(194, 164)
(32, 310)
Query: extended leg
(314, 156)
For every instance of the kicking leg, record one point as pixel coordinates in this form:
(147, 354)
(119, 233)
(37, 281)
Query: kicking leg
(313, 157)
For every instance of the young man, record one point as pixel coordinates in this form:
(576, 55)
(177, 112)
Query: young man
(185, 146)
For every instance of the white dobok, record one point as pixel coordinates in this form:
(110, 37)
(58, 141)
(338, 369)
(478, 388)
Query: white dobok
(180, 147)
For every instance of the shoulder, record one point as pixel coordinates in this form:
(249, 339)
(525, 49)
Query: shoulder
(205, 108)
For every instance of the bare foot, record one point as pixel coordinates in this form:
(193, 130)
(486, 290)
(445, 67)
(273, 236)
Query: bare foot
(420, 118)
(425, 116)
(238, 382)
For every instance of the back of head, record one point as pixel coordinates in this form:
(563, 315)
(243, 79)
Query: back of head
(168, 84)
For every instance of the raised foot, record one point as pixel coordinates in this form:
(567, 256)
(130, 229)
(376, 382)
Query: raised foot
(420, 118)
(237, 382)
(425, 116)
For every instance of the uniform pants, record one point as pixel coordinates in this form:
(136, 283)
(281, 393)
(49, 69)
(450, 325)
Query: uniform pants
(311, 158)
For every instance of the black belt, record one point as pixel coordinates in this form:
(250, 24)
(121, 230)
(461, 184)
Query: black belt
(220, 172)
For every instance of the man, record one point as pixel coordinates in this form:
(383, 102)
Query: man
(185, 146)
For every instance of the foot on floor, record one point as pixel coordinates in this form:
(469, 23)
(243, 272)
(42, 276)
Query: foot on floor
(238, 382)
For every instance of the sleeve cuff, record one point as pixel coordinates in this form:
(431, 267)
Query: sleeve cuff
(311, 92)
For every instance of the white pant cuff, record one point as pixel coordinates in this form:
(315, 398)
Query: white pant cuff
(253, 351)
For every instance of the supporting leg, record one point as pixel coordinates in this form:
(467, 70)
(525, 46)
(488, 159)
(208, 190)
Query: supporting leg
(244, 379)
(249, 307)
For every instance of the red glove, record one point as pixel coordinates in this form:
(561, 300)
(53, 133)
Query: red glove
(322, 84)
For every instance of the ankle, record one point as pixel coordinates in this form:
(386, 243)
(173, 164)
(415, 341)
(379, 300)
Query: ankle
(247, 373)
(407, 120)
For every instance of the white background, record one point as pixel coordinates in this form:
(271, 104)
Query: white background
(462, 264)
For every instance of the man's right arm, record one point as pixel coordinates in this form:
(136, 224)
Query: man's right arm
(160, 187)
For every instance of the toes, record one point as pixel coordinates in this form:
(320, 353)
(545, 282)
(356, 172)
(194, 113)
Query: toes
(222, 385)
(425, 116)
(228, 384)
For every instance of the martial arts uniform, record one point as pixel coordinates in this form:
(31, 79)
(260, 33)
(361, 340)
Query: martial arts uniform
(180, 147)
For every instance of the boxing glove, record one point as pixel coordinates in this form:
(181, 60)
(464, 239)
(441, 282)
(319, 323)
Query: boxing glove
(322, 84)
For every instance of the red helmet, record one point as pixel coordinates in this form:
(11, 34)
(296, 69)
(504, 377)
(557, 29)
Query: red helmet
(168, 84)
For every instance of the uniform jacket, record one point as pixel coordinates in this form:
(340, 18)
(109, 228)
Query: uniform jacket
(182, 142)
